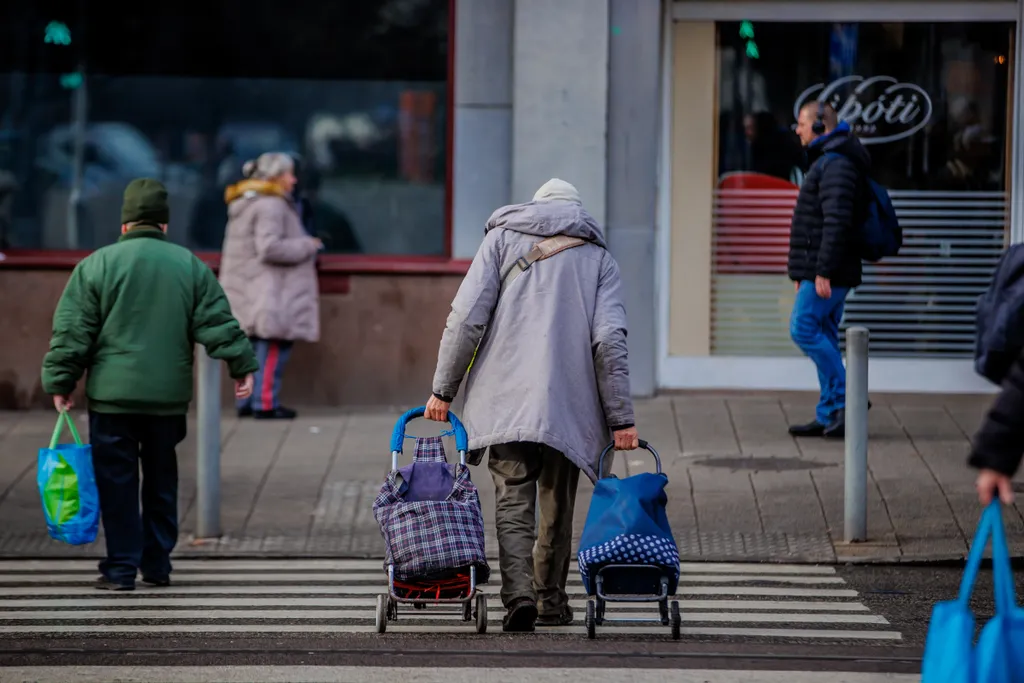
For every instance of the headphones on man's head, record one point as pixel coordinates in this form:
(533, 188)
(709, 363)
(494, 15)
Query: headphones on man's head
(819, 120)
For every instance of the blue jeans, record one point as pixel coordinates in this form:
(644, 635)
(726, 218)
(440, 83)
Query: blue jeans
(272, 356)
(814, 327)
(120, 444)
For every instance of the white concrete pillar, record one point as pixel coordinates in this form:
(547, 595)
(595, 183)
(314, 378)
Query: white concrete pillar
(482, 172)
(560, 98)
(634, 108)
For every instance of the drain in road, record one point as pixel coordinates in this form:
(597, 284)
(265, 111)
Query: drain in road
(770, 464)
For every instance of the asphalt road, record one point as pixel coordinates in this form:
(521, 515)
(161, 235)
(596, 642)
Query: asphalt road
(901, 596)
(905, 595)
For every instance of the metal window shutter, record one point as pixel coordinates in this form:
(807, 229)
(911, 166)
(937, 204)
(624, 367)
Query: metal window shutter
(920, 304)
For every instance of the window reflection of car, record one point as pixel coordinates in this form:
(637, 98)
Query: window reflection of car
(357, 143)
(113, 153)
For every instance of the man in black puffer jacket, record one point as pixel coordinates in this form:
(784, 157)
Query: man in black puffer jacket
(824, 256)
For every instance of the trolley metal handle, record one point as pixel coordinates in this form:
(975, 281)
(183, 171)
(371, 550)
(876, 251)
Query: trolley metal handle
(398, 435)
(643, 444)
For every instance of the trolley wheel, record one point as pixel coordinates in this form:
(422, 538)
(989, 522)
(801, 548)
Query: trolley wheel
(591, 620)
(481, 613)
(601, 604)
(467, 610)
(663, 612)
(382, 613)
(677, 620)
(392, 609)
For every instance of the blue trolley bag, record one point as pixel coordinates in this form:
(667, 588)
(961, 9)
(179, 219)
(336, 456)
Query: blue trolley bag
(627, 524)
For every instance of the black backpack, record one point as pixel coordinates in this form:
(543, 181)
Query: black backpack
(999, 333)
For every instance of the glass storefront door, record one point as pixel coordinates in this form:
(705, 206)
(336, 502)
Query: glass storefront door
(931, 101)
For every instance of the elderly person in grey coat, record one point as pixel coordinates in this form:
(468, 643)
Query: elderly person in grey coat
(549, 381)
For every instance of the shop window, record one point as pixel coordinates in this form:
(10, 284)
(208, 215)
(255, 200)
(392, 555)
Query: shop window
(930, 101)
(187, 92)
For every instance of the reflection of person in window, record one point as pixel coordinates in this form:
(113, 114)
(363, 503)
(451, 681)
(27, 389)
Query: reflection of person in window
(823, 261)
(321, 218)
(268, 270)
(206, 224)
(772, 150)
(8, 187)
(965, 170)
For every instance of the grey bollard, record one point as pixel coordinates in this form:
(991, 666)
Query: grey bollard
(208, 452)
(856, 494)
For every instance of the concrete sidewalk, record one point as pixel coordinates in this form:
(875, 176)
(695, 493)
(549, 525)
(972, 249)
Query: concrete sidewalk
(740, 488)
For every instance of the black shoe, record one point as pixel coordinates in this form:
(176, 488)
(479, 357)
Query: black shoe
(563, 618)
(278, 413)
(810, 429)
(245, 412)
(836, 430)
(521, 616)
(156, 581)
(105, 584)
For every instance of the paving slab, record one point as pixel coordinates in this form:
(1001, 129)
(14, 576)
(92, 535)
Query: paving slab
(739, 487)
(705, 425)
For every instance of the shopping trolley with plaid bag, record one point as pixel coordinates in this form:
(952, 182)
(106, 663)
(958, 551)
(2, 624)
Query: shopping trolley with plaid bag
(430, 517)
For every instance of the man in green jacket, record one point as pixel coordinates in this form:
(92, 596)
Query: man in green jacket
(130, 317)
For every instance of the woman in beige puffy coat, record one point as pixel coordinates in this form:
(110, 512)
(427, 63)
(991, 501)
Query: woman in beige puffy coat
(268, 270)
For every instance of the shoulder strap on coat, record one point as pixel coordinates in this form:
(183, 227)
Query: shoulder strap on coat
(540, 251)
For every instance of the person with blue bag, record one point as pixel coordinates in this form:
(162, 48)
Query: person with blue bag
(67, 486)
(129, 317)
(951, 656)
(998, 446)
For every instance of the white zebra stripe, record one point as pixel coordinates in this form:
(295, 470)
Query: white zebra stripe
(312, 589)
(377, 565)
(136, 600)
(412, 617)
(376, 577)
(398, 628)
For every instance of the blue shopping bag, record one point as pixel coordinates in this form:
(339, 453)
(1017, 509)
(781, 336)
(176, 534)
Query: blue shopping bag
(950, 655)
(627, 523)
(67, 487)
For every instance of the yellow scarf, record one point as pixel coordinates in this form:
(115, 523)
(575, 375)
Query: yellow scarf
(267, 187)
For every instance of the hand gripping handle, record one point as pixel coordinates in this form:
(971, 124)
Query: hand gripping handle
(398, 435)
(643, 444)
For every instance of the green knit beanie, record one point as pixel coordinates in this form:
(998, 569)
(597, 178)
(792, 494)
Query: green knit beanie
(145, 201)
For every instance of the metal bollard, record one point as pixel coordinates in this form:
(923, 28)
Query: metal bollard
(208, 454)
(856, 495)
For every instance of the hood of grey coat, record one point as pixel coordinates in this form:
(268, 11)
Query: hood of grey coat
(547, 219)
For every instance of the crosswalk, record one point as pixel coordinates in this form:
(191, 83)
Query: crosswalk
(311, 596)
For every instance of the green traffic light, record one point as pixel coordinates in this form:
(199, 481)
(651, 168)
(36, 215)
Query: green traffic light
(57, 33)
(752, 51)
(746, 30)
(71, 81)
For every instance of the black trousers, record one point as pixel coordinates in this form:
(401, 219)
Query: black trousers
(137, 541)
